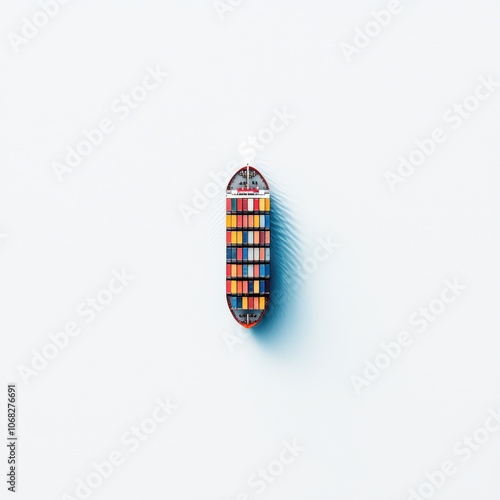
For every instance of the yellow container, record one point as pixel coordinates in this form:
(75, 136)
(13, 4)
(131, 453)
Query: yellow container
(233, 220)
(256, 220)
(256, 286)
(262, 303)
(234, 286)
(262, 204)
(245, 303)
(240, 237)
(268, 204)
(234, 271)
(228, 221)
(233, 237)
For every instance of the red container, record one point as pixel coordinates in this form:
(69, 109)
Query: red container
(256, 269)
(228, 204)
(228, 269)
(240, 204)
(245, 219)
(245, 287)
(245, 204)
(228, 237)
(250, 302)
(239, 220)
(228, 286)
(239, 253)
(240, 270)
(240, 287)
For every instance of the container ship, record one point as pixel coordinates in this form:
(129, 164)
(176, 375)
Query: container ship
(248, 250)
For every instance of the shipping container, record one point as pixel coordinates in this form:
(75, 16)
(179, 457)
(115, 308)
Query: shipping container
(245, 302)
(245, 220)
(268, 221)
(262, 303)
(256, 220)
(250, 205)
(239, 205)
(268, 205)
(228, 204)
(262, 221)
(268, 254)
(233, 220)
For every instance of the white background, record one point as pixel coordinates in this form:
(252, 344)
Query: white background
(166, 334)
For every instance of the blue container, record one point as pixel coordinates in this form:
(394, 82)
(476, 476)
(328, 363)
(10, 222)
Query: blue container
(250, 287)
(245, 254)
(268, 221)
(245, 237)
(233, 204)
(268, 269)
(245, 270)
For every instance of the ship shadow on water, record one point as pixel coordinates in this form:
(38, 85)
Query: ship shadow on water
(279, 325)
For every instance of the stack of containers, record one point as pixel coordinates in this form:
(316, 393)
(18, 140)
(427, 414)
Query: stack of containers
(248, 252)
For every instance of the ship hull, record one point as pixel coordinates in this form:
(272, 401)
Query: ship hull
(248, 246)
